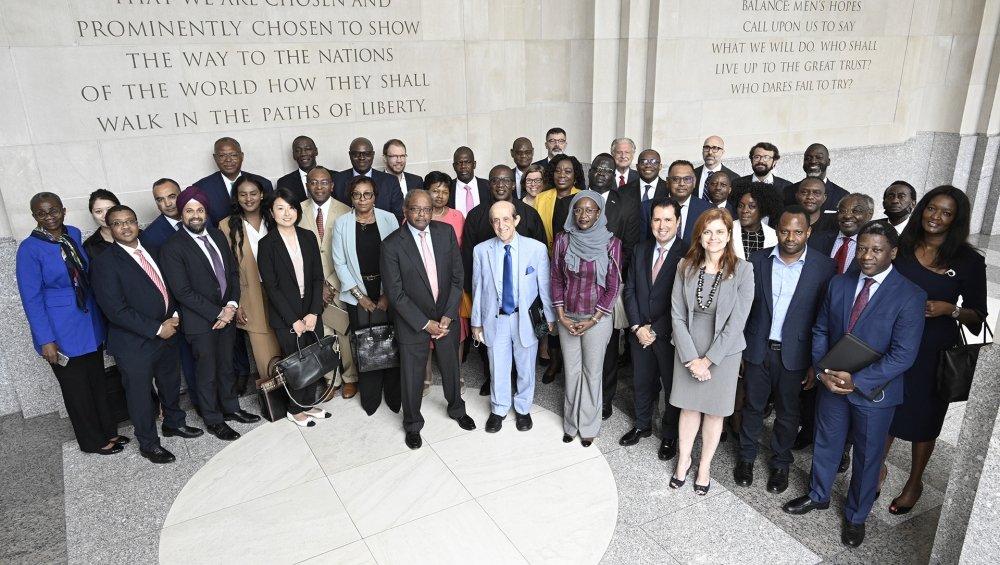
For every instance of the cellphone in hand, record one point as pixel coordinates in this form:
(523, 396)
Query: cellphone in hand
(61, 359)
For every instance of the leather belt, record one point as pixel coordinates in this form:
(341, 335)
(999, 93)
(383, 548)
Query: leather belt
(773, 345)
(514, 312)
(370, 277)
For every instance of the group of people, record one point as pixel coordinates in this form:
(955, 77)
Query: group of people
(728, 290)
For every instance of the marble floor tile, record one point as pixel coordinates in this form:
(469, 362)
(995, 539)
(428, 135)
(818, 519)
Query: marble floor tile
(353, 438)
(396, 490)
(262, 530)
(573, 513)
(265, 460)
(911, 542)
(632, 545)
(352, 554)
(143, 548)
(724, 529)
(30, 529)
(439, 427)
(952, 424)
(489, 462)
(472, 538)
(54, 554)
(930, 499)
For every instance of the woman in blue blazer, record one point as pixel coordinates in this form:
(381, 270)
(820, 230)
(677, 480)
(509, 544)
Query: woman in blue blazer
(66, 326)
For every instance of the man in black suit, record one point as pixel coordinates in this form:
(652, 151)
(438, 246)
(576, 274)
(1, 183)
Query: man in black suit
(810, 193)
(681, 182)
(522, 152)
(815, 162)
(304, 153)
(467, 190)
(203, 275)
(711, 153)
(763, 159)
(719, 188)
(898, 201)
(423, 277)
(218, 186)
(789, 285)
(647, 185)
(647, 304)
(623, 223)
(142, 321)
(388, 196)
(555, 144)
(623, 151)
(394, 157)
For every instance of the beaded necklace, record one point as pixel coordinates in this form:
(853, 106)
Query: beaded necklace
(701, 285)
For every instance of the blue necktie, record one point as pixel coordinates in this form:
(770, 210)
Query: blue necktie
(508, 282)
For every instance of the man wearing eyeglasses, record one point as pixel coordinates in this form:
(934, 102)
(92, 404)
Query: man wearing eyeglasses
(555, 144)
(763, 159)
(389, 196)
(648, 186)
(711, 153)
(522, 152)
(218, 186)
(681, 182)
(304, 153)
(394, 157)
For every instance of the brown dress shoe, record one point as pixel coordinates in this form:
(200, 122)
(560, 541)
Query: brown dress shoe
(350, 389)
(329, 396)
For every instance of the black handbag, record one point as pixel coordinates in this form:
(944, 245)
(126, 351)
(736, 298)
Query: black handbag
(537, 314)
(375, 347)
(271, 394)
(309, 364)
(957, 365)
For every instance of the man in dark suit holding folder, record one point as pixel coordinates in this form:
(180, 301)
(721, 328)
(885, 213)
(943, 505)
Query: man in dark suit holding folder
(884, 310)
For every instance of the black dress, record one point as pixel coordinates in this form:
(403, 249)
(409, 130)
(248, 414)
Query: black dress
(921, 415)
(95, 244)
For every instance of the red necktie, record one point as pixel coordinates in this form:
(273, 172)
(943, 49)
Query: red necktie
(319, 223)
(841, 255)
(859, 304)
(144, 263)
(621, 181)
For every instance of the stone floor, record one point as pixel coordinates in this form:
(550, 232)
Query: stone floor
(347, 491)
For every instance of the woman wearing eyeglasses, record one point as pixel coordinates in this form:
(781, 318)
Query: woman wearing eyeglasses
(532, 182)
(66, 327)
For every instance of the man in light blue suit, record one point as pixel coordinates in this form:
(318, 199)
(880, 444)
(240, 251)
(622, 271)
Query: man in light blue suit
(508, 273)
(885, 310)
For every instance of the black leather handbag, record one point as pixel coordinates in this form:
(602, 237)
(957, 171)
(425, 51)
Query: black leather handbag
(375, 347)
(310, 363)
(957, 365)
(537, 314)
(271, 394)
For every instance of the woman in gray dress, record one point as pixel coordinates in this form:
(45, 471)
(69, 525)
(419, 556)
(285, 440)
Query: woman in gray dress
(713, 290)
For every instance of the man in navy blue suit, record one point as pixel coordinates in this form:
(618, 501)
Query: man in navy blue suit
(388, 195)
(680, 183)
(142, 325)
(789, 284)
(467, 190)
(218, 186)
(886, 311)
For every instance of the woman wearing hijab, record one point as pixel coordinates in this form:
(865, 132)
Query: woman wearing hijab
(585, 283)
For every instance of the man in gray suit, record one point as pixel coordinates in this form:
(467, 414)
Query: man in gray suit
(508, 273)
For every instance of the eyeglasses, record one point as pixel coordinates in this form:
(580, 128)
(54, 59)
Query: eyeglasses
(50, 213)
(403, 156)
(555, 140)
(362, 195)
(653, 162)
(122, 223)
(228, 156)
(361, 154)
(681, 180)
(421, 209)
(324, 182)
(585, 211)
(712, 148)
(857, 211)
(501, 181)
(532, 182)
(762, 158)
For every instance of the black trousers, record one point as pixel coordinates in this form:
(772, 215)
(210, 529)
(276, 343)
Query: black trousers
(761, 382)
(372, 385)
(213, 359)
(653, 369)
(609, 372)
(160, 362)
(413, 367)
(85, 395)
(289, 344)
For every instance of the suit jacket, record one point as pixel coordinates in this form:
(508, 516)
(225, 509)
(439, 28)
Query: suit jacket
(698, 189)
(334, 212)
(252, 298)
(623, 222)
(285, 305)
(484, 191)
(892, 322)
(544, 162)
(293, 181)
(157, 233)
(796, 332)
(734, 299)
(779, 184)
(834, 193)
(697, 207)
(191, 278)
(404, 280)
(219, 197)
(130, 301)
(823, 241)
(632, 191)
(631, 176)
(647, 302)
(479, 229)
(412, 181)
(532, 272)
(389, 197)
(345, 250)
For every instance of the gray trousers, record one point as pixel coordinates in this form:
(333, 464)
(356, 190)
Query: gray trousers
(583, 368)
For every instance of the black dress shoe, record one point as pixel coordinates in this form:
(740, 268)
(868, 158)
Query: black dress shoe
(223, 432)
(668, 450)
(466, 422)
(241, 416)
(555, 366)
(778, 481)
(183, 431)
(845, 461)
(567, 438)
(122, 440)
(523, 421)
(413, 440)
(743, 473)
(493, 423)
(607, 411)
(853, 534)
(802, 440)
(633, 436)
(586, 442)
(485, 389)
(803, 505)
(158, 455)
(116, 448)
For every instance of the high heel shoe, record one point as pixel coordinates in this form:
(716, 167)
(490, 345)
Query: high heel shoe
(701, 490)
(586, 441)
(676, 483)
(567, 438)
(554, 368)
(898, 510)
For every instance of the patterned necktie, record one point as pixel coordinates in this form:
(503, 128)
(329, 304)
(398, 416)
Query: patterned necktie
(859, 304)
(220, 271)
(508, 281)
(144, 263)
(319, 223)
(469, 203)
(659, 262)
(429, 264)
(704, 193)
(645, 192)
(621, 181)
(841, 256)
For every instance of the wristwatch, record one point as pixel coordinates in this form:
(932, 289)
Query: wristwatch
(956, 312)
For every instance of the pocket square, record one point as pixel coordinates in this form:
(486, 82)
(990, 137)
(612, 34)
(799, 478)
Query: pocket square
(530, 270)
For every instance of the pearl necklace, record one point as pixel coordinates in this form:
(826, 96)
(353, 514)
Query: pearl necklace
(701, 285)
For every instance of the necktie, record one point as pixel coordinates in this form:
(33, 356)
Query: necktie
(319, 223)
(659, 262)
(469, 203)
(841, 255)
(859, 304)
(144, 263)
(645, 192)
(704, 193)
(508, 281)
(621, 180)
(220, 271)
(429, 264)
(680, 222)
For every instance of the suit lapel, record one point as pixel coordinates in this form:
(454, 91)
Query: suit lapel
(199, 252)
(123, 256)
(412, 250)
(765, 273)
(885, 289)
(494, 261)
